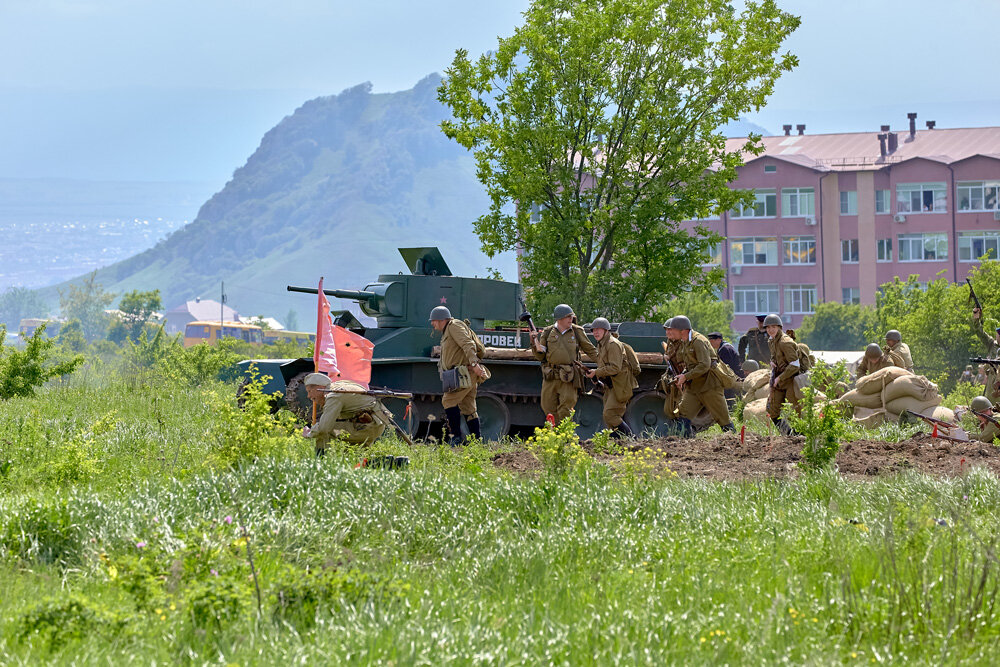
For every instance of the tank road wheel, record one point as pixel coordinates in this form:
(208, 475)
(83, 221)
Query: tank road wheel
(644, 414)
(589, 416)
(494, 417)
(296, 398)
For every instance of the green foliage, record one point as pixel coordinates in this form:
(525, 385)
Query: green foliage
(706, 312)
(558, 448)
(588, 116)
(73, 617)
(831, 379)
(292, 320)
(73, 462)
(297, 596)
(22, 371)
(18, 303)
(252, 431)
(136, 309)
(70, 337)
(87, 302)
(824, 427)
(837, 326)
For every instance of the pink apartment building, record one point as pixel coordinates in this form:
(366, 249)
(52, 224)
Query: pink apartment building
(837, 215)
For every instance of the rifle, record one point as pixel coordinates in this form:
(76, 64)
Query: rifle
(598, 384)
(972, 295)
(987, 415)
(952, 432)
(983, 360)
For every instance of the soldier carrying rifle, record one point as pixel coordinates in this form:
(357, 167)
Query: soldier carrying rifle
(992, 348)
(989, 424)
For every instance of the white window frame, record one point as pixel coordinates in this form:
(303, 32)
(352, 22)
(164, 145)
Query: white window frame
(965, 240)
(760, 246)
(800, 299)
(984, 190)
(905, 193)
(848, 202)
(797, 246)
(795, 198)
(715, 252)
(771, 298)
(940, 239)
(850, 297)
(760, 199)
(883, 250)
(845, 246)
(883, 202)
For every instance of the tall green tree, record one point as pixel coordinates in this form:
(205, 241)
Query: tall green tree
(598, 120)
(18, 303)
(86, 301)
(707, 312)
(136, 308)
(838, 326)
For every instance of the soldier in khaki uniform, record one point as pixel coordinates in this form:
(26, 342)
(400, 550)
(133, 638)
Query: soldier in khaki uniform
(753, 344)
(346, 409)
(699, 382)
(992, 352)
(668, 381)
(875, 360)
(988, 431)
(558, 348)
(613, 368)
(894, 342)
(460, 348)
(784, 367)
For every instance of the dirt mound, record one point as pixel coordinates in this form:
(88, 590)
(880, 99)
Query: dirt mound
(726, 458)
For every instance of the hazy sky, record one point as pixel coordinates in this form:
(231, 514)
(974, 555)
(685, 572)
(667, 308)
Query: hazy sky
(863, 63)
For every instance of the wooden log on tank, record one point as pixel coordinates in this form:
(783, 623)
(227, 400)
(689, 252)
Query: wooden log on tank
(520, 354)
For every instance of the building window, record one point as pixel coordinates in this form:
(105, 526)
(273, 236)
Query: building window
(765, 206)
(973, 245)
(848, 202)
(800, 298)
(770, 168)
(800, 249)
(754, 250)
(882, 201)
(798, 202)
(714, 255)
(921, 198)
(920, 247)
(978, 195)
(536, 214)
(885, 250)
(756, 299)
(849, 251)
(851, 294)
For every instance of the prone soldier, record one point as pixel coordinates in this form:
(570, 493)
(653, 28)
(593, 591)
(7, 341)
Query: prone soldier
(876, 359)
(982, 409)
(699, 381)
(558, 348)
(346, 409)
(894, 341)
(461, 351)
(784, 367)
(614, 368)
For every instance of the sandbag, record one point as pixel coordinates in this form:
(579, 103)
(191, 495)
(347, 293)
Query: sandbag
(943, 413)
(757, 410)
(909, 403)
(914, 386)
(859, 400)
(757, 379)
(872, 384)
(870, 418)
(762, 393)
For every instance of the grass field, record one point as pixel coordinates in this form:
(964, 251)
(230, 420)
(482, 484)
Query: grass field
(130, 510)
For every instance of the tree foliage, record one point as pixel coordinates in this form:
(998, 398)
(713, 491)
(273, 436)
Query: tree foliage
(87, 302)
(838, 326)
(706, 312)
(136, 308)
(22, 371)
(18, 303)
(599, 120)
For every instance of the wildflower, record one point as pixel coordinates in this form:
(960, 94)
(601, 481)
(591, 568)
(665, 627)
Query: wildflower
(228, 519)
(173, 607)
(163, 618)
(140, 545)
(158, 611)
(112, 572)
(214, 572)
(703, 640)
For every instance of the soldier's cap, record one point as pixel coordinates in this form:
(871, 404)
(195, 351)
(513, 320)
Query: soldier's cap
(715, 334)
(998, 329)
(317, 380)
(760, 318)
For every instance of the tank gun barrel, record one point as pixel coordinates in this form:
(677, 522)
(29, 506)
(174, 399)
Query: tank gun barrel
(356, 295)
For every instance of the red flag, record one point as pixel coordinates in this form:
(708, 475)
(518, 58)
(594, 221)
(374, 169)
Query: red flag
(354, 356)
(325, 351)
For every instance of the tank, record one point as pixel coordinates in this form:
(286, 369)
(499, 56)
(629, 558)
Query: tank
(405, 357)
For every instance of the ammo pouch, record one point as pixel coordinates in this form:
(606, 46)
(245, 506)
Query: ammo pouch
(450, 380)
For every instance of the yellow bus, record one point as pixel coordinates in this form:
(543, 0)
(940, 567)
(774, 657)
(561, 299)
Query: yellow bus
(272, 336)
(208, 332)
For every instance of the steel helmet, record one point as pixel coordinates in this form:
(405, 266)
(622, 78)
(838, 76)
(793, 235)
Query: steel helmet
(440, 313)
(601, 323)
(772, 319)
(892, 334)
(561, 311)
(981, 404)
(749, 366)
(873, 351)
(681, 322)
(669, 324)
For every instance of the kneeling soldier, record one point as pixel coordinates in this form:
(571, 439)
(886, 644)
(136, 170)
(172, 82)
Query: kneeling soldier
(347, 409)
(894, 341)
(875, 360)
(784, 367)
(614, 369)
(988, 430)
(558, 347)
(699, 381)
(461, 349)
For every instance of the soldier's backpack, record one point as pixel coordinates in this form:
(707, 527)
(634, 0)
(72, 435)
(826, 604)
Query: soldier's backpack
(632, 360)
(805, 363)
(480, 348)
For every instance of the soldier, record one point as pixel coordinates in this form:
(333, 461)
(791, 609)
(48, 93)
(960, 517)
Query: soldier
(698, 381)
(753, 345)
(729, 356)
(558, 348)
(614, 369)
(674, 368)
(875, 360)
(968, 376)
(784, 367)
(347, 409)
(894, 341)
(461, 349)
(988, 430)
(992, 352)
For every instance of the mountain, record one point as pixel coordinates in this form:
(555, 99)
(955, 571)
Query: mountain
(743, 128)
(331, 191)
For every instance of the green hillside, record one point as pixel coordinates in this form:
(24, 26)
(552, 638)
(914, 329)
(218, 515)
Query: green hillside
(331, 191)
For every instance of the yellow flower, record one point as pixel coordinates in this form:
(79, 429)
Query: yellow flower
(163, 618)
(854, 655)
(173, 607)
(113, 572)
(703, 640)
(158, 611)
(815, 620)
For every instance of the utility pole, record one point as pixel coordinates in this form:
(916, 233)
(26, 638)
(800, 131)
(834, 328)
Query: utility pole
(222, 310)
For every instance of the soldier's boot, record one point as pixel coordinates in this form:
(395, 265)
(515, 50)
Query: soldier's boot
(729, 427)
(475, 428)
(623, 430)
(784, 428)
(454, 416)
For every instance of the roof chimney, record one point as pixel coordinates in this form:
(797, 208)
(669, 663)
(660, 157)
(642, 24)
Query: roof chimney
(930, 124)
(884, 128)
(801, 129)
(197, 299)
(913, 124)
(881, 144)
(893, 142)
(787, 129)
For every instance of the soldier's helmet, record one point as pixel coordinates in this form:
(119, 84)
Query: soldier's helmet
(601, 323)
(440, 313)
(873, 351)
(981, 404)
(892, 334)
(772, 319)
(749, 366)
(561, 311)
(669, 324)
(681, 322)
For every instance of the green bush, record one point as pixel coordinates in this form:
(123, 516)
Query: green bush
(23, 371)
(558, 448)
(824, 427)
(72, 617)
